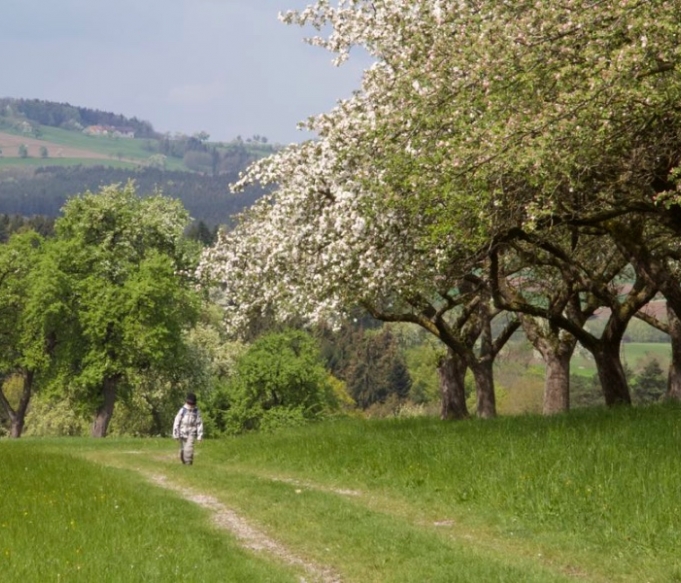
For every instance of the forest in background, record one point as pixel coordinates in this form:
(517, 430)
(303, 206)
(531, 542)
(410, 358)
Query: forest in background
(44, 191)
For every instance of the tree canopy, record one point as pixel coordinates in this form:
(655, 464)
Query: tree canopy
(478, 123)
(125, 267)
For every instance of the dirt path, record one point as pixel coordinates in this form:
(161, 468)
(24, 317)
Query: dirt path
(250, 537)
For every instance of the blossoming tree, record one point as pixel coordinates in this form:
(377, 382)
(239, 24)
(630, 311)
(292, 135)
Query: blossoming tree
(476, 120)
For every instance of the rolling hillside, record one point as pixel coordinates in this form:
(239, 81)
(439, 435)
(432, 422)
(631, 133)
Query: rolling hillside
(11, 144)
(50, 151)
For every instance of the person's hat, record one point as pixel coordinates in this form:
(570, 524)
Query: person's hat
(191, 399)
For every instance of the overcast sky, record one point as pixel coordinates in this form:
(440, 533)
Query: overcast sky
(228, 67)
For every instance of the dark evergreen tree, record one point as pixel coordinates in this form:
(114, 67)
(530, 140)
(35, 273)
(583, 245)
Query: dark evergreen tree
(377, 369)
(650, 384)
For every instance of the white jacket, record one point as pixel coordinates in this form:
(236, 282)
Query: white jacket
(188, 422)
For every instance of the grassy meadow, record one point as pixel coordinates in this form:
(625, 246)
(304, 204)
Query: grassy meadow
(590, 496)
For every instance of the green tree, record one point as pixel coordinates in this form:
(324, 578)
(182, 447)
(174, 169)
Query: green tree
(22, 150)
(199, 231)
(280, 377)
(123, 260)
(23, 341)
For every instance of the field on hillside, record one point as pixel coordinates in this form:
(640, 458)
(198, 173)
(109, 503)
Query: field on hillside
(77, 147)
(593, 496)
(10, 144)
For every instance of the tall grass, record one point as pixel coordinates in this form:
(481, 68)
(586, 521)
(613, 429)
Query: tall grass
(602, 480)
(590, 496)
(63, 519)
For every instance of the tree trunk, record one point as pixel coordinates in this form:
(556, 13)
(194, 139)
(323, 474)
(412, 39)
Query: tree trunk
(105, 411)
(452, 373)
(556, 348)
(484, 389)
(18, 417)
(557, 382)
(674, 378)
(611, 374)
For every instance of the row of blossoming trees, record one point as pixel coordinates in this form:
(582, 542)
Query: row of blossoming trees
(501, 160)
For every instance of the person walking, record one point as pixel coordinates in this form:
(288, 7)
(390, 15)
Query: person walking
(188, 428)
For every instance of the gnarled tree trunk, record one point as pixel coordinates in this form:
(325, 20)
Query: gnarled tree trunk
(557, 382)
(484, 388)
(452, 373)
(611, 374)
(556, 348)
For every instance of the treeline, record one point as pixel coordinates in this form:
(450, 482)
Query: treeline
(11, 224)
(85, 324)
(207, 158)
(71, 117)
(139, 301)
(44, 192)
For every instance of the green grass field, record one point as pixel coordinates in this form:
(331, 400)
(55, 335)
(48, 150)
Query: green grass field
(632, 354)
(591, 496)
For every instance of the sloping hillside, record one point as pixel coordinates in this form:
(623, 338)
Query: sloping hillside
(11, 147)
(50, 151)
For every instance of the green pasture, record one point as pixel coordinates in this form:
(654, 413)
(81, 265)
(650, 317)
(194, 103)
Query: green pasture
(126, 147)
(592, 496)
(633, 353)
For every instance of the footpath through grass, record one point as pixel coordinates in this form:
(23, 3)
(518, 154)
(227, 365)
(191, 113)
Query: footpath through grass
(592, 496)
(66, 519)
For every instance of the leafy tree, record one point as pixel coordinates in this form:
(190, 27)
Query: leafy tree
(24, 341)
(279, 375)
(671, 326)
(123, 263)
(53, 416)
(558, 285)
(22, 150)
(157, 161)
(479, 122)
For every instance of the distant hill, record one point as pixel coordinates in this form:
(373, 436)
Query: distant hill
(70, 117)
(49, 151)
